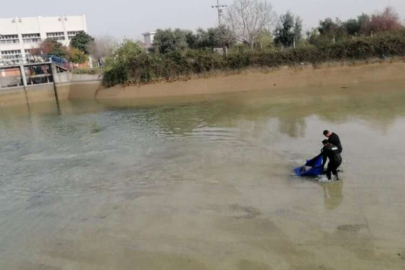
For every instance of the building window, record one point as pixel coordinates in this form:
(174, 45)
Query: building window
(72, 34)
(12, 56)
(31, 38)
(28, 53)
(58, 36)
(9, 39)
(32, 57)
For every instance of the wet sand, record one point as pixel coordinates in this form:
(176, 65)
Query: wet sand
(204, 182)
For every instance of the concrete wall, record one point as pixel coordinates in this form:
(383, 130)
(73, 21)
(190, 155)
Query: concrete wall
(33, 94)
(63, 77)
(40, 93)
(84, 90)
(63, 91)
(69, 86)
(85, 77)
(84, 86)
(12, 97)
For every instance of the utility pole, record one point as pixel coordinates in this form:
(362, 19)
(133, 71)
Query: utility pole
(220, 11)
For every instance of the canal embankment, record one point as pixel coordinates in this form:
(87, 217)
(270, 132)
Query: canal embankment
(40, 82)
(86, 86)
(331, 74)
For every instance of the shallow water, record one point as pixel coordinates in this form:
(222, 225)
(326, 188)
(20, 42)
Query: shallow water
(204, 182)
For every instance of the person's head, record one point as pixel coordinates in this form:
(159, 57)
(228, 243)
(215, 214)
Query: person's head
(325, 142)
(327, 133)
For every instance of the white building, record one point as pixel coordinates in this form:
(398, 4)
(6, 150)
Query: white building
(148, 39)
(19, 35)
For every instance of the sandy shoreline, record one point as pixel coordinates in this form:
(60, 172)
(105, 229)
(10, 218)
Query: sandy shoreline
(337, 74)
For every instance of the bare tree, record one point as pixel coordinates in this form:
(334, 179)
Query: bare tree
(387, 20)
(249, 18)
(102, 47)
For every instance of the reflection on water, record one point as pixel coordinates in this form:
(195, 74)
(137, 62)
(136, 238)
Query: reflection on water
(289, 107)
(203, 182)
(333, 194)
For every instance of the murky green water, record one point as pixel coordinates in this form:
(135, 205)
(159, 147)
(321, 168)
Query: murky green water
(204, 183)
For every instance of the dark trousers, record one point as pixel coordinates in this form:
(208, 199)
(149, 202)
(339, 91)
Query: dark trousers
(332, 167)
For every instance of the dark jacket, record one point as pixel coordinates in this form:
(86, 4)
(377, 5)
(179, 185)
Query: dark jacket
(332, 152)
(335, 140)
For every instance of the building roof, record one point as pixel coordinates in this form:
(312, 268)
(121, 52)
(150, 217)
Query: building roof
(148, 33)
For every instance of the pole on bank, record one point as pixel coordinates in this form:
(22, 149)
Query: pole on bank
(24, 81)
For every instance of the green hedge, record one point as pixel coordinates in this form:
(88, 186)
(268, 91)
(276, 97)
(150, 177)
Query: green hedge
(146, 67)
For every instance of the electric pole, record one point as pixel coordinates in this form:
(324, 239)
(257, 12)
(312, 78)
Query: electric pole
(220, 9)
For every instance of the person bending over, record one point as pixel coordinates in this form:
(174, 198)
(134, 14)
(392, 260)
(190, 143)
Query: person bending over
(331, 152)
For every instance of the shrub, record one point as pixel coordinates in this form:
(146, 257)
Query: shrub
(134, 66)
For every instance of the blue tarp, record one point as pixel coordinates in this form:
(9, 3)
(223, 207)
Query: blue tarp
(316, 168)
(57, 60)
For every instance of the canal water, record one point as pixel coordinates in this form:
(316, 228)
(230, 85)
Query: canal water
(204, 182)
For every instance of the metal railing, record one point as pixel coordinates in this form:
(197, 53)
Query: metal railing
(26, 75)
(36, 59)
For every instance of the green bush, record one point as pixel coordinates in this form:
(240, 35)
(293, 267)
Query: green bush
(141, 67)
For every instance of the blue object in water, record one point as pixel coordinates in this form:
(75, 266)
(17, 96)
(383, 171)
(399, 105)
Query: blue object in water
(315, 170)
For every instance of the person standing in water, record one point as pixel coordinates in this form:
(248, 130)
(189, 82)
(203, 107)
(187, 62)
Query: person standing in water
(334, 139)
(331, 152)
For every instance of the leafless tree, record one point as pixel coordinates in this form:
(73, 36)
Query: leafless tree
(387, 20)
(102, 47)
(249, 18)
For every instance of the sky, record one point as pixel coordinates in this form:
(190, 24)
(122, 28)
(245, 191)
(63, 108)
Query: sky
(131, 18)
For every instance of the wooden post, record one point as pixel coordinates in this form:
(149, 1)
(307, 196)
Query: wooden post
(53, 72)
(24, 79)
